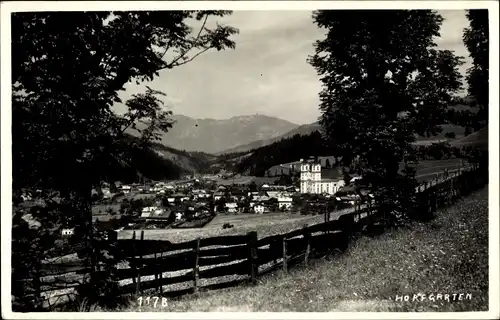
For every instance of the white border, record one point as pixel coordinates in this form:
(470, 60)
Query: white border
(6, 161)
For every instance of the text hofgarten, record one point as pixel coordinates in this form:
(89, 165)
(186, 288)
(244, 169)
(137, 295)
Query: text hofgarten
(434, 297)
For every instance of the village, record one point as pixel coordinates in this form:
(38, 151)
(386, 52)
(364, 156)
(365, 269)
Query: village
(194, 201)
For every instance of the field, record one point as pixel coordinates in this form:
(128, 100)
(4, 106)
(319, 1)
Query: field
(264, 224)
(448, 255)
(478, 139)
(429, 168)
(447, 128)
(246, 180)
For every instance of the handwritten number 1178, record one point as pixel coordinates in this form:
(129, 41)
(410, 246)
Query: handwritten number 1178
(147, 302)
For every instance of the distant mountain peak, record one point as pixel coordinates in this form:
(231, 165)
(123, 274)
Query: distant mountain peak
(301, 130)
(215, 135)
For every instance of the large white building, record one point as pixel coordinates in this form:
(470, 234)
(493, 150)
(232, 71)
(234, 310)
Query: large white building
(311, 182)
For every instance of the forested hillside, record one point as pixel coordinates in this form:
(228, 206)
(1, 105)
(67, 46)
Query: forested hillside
(156, 163)
(283, 151)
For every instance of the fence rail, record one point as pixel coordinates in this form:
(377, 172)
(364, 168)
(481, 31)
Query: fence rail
(244, 256)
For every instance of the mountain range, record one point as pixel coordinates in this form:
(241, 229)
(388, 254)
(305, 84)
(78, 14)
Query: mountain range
(206, 145)
(302, 130)
(215, 136)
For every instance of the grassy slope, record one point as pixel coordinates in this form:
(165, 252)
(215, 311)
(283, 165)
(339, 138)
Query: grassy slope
(448, 255)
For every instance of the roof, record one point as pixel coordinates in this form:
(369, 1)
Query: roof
(332, 180)
(178, 195)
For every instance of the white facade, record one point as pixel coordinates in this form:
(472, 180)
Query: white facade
(311, 182)
(106, 193)
(68, 232)
(231, 207)
(258, 208)
(126, 189)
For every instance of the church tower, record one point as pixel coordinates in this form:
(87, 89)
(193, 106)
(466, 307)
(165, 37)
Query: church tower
(305, 176)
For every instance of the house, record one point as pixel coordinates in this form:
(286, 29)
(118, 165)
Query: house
(260, 208)
(231, 207)
(203, 195)
(285, 202)
(350, 199)
(180, 197)
(273, 194)
(118, 184)
(126, 189)
(68, 232)
(179, 215)
(106, 192)
(218, 195)
(150, 211)
(355, 178)
(200, 194)
(160, 215)
(171, 199)
(260, 198)
(202, 203)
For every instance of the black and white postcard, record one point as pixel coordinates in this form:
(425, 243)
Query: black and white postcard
(249, 159)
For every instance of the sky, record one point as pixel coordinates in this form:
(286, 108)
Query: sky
(267, 73)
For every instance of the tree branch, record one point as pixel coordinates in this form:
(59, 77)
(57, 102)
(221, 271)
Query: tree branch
(172, 63)
(190, 59)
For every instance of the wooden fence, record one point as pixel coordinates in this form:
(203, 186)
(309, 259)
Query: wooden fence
(152, 266)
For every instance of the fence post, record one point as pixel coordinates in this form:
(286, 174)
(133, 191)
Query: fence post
(252, 256)
(156, 271)
(138, 284)
(37, 285)
(285, 266)
(307, 239)
(196, 267)
(452, 191)
(133, 260)
(161, 275)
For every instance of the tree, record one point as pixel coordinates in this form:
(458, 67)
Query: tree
(220, 204)
(252, 187)
(383, 82)
(67, 71)
(328, 165)
(346, 176)
(467, 131)
(273, 204)
(284, 180)
(450, 135)
(476, 39)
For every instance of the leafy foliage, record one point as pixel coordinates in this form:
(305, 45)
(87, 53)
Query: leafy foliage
(383, 82)
(476, 39)
(67, 71)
